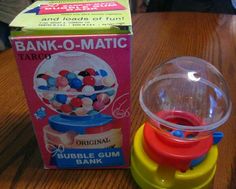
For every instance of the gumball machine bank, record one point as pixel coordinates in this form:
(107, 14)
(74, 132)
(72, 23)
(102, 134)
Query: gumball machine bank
(74, 62)
(185, 99)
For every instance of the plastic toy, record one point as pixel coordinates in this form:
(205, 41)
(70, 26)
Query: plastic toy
(186, 99)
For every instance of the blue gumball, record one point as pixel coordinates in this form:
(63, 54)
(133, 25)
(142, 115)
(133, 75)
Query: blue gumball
(61, 98)
(178, 133)
(71, 76)
(76, 83)
(81, 96)
(103, 73)
(93, 97)
(51, 82)
(42, 87)
(110, 92)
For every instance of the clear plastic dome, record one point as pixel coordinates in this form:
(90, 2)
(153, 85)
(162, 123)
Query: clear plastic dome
(75, 83)
(186, 97)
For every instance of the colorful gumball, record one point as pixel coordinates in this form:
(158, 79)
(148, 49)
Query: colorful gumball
(81, 111)
(76, 83)
(98, 80)
(46, 88)
(110, 92)
(76, 102)
(81, 96)
(61, 82)
(98, 105)
(108, 81)
(87, 101)
(103, 73)
(66, 108)
(93, 97)
(89, 80)
(178, 133)
(52, 88)
(91, 71)
(71, 76)
(43, 76)
(61, 98)
(84, 73)
(80, 77)
(46, 101)
(48, 95)
(103, 98)
(88, 108)
(88, 90)
(66, 88)
(51, 82)
(41, 82)
(56, 105)
(63, 72)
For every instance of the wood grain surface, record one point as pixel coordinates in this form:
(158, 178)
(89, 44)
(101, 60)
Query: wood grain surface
(157, 38)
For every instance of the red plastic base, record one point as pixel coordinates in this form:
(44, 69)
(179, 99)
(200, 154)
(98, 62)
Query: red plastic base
(168, 150)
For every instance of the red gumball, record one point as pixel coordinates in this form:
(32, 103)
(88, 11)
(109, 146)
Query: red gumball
(98, 105)
(91, 71)
(89, 80)
(66, 108)
(76, 102)
(63, 72)
(61, 82)
(46, 101)
(103, 98)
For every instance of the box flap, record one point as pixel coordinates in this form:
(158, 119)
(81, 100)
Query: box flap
(74, 17)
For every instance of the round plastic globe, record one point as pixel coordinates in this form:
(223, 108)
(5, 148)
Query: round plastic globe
(186, 97)
(64, 80)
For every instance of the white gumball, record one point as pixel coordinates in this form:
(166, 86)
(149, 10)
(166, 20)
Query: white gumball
(88, 90)
(87, 101)
(98, 80)
(108, 81)
(41, 82)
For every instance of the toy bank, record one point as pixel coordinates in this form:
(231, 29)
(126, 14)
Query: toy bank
(185, 99)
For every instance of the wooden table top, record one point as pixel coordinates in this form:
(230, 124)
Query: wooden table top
(157, 38)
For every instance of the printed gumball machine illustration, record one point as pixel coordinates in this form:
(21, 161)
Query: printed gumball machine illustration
(186, 100)
(78, 86)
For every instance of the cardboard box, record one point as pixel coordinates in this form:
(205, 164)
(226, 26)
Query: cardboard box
(74, 62)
